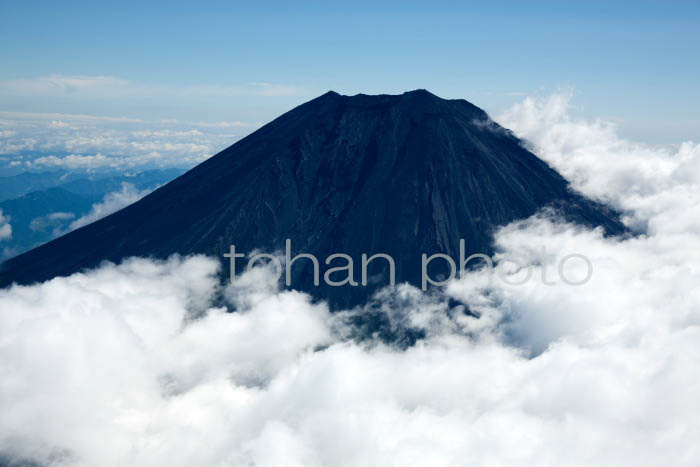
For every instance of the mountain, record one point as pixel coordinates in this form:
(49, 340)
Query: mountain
(14, 186)
(396, 174)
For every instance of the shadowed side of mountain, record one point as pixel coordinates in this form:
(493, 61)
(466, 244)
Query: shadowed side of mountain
(396, 174)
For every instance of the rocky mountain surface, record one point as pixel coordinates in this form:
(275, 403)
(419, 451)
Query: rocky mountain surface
(396, 174)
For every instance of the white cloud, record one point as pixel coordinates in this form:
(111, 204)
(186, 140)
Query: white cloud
(74, 161)
(53, 221)
(655, 184)
(111, 203)
(94, 142)
(134, 365)
(5, 227)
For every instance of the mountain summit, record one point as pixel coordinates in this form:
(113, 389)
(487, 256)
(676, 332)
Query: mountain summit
(396, 174)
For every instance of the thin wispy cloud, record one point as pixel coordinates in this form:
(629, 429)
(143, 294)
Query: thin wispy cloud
(80, 87)
(272, 89)
(62, 85)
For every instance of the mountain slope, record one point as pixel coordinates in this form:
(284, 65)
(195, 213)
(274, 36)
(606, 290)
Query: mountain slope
(402, 175)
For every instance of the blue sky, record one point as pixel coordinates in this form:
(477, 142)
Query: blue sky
(635, 63)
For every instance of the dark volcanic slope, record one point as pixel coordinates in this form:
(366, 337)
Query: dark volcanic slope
(402, 175)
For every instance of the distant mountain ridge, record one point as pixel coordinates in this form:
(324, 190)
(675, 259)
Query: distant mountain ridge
(37, 216)
(396, 174)
(14, 186)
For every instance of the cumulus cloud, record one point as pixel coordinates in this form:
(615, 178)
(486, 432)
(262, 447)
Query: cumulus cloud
(654, 184)
(111, 203)
(144, 364)
(5, 227)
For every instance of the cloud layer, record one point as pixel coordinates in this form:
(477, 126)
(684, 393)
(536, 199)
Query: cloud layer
(137, 364)
(85, 142)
